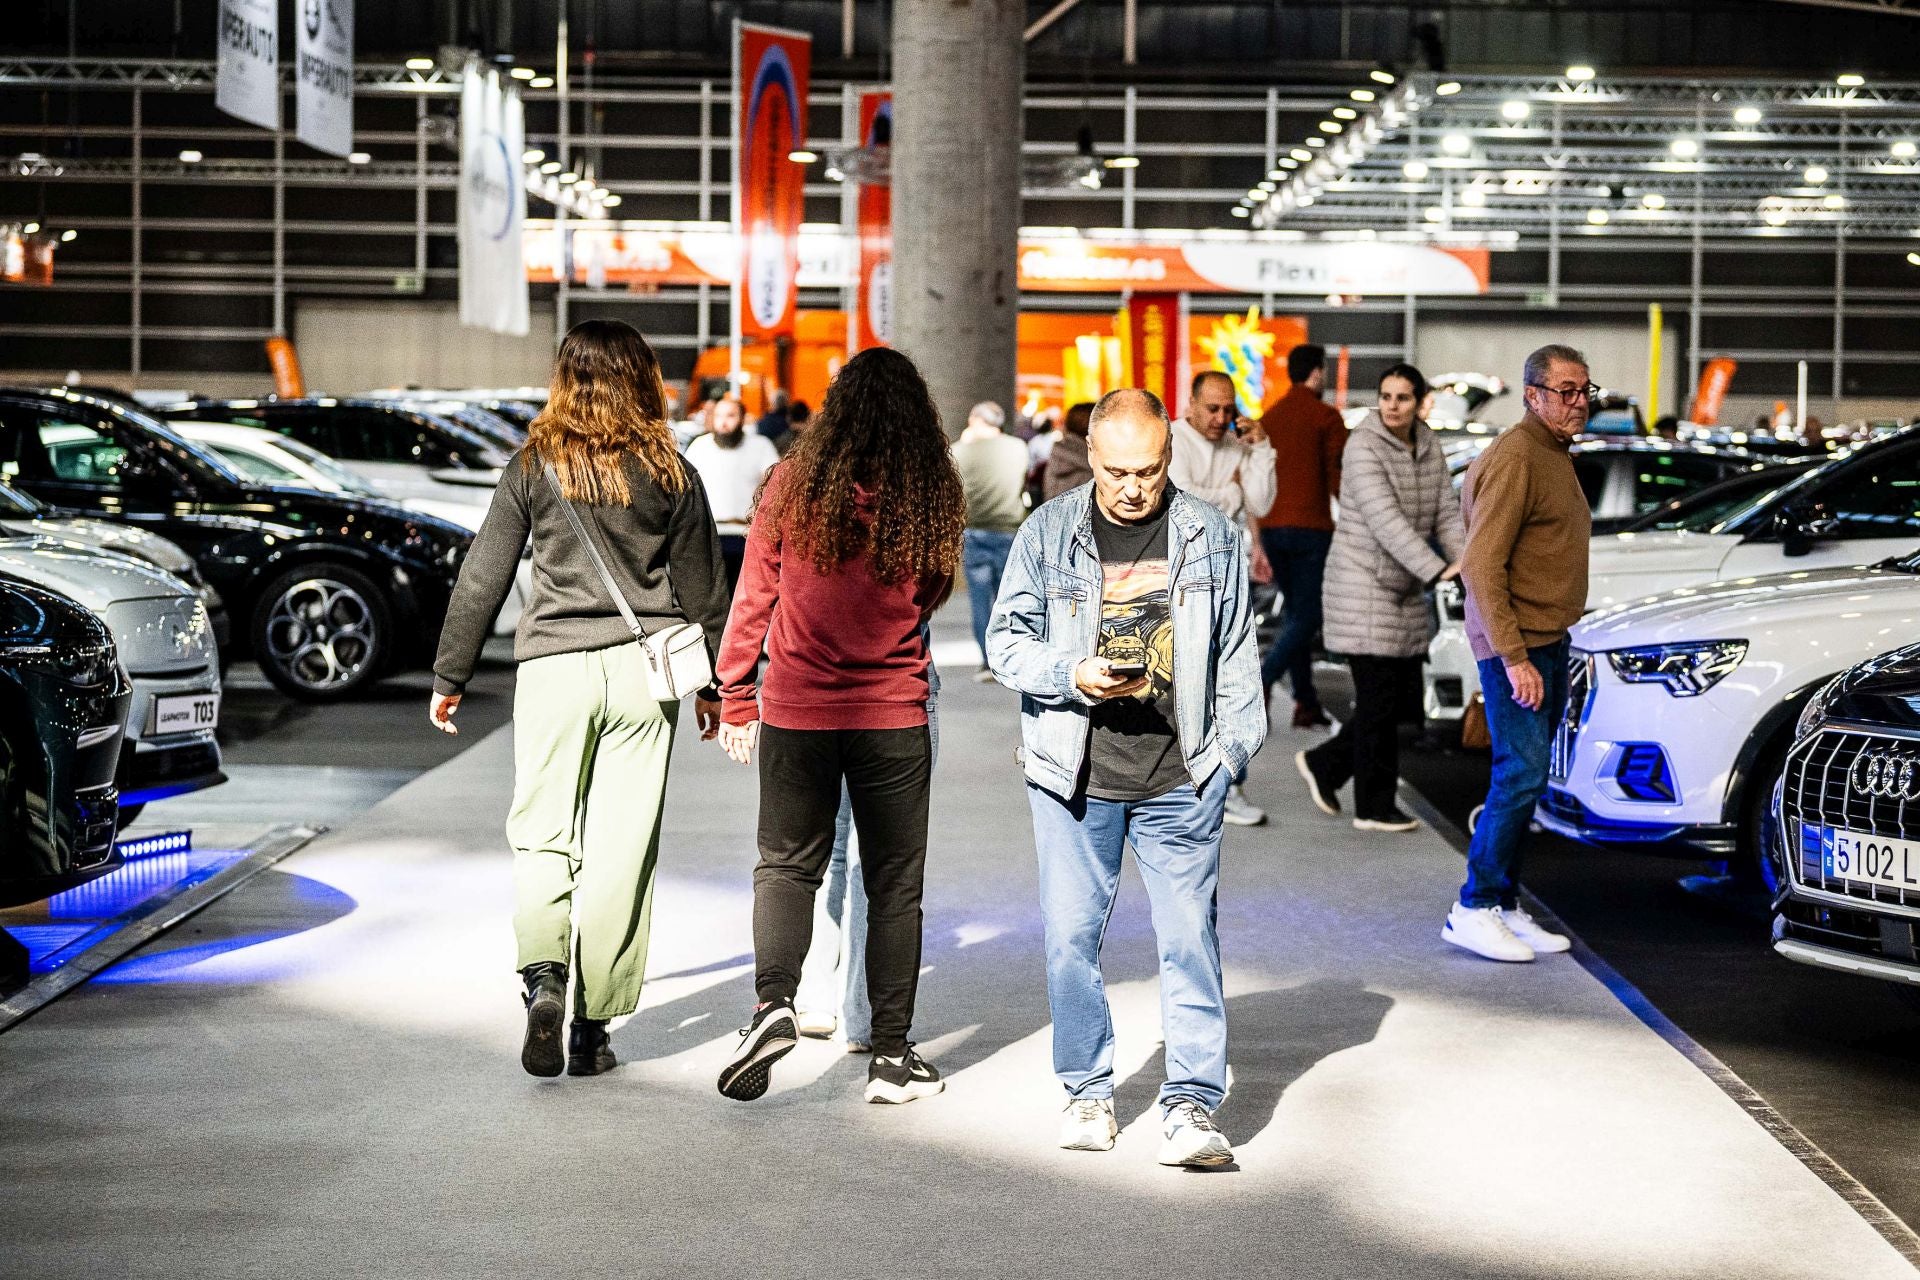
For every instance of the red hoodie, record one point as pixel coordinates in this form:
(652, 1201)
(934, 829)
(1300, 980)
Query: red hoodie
(844, 650)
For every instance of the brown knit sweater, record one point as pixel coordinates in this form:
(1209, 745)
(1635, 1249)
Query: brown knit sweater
(1525, 566)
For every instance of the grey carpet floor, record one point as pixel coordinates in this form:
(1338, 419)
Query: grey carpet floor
(319, 1077)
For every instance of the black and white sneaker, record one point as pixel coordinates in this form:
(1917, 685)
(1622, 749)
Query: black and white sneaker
(1391, 820)
(770, 1037)
(902, 1079)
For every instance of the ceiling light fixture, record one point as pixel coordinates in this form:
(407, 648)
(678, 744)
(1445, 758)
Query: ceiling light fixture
(191, 157)
(550, 167)
(540, 82)
(803, 157)
(1474, 198)
(1903, 151)
(1123, 162)
(1580, 72)
(1849, 80)
(1300, 155)
(1456, 144)
(1238, 211)
(69, 236)
(1415, 169)
(1654, 200)
(1598, 217)
(1447, 90)
(1380, 76)
(523, 73)
(1344, 113)
(1814, 175)
(1684, 148)
(532, 155)
(419, 64)
(1331, 126)
(1362, 95)
(611, 201)
(1747, 116)
(359, 157)
(1316, 142)
(1514, 109)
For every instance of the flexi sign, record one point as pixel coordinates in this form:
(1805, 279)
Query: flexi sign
(323, 76)
(770, 96)
(247, 78)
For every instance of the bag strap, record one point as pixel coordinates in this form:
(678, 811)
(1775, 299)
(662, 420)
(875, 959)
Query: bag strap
(593, 554)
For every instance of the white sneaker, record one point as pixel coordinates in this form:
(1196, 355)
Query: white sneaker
(1191, 1139)
(1088, 1125)
(983, 676)
(1533, 933)
(1484, 931)
(1242, 812)
(816, 1025)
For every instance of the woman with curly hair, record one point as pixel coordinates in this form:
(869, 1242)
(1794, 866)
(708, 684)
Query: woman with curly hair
(591, 740)
(853, 545)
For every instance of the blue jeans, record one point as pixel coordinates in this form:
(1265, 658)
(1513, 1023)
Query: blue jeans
(1176, 843)
(984, 559)
(1299, 560)
(1522, 741)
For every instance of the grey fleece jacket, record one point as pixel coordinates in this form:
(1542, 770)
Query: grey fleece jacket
(661, 548)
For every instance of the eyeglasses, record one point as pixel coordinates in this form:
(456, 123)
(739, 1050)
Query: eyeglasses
(1569, 395)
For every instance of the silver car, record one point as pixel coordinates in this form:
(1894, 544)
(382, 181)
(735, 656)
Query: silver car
(165, 640)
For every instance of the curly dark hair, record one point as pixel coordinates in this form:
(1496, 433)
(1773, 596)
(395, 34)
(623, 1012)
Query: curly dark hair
(877, 429)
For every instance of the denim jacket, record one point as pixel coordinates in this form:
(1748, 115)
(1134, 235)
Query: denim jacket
(1048, 618)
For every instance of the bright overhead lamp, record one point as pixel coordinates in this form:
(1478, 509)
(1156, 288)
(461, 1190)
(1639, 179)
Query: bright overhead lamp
(1306, 200)
(1276, 174)
(359, 157)
(1775, 217)
(1331, 126)
(1288, 162)
(1344, 113)
(1474, 198)
(1257, 193)
(1456, 144)
(1834, 201)
(1814, 174)
(1267, 185)
(69, 236)
(584, 183)
(611, 201)
(1436, 214)
(803, 157)
(419, 64)
(1124, 162)
(523, 73)
(1654, 200)
(1913, 259)
(1415, 169)
(1579, 72)
(1598, 217)
(1238, 211)
(1903, 151)
(1447, 90)
(1380, 76)
(532, 155)
(1849, 80)
(540, 82)
(1316, 142)
(30, 228)
(550, 167)
(1301, 155)
(191, 157)
(1684, 148)
(568, 178)
(1362, 95)
(1514, 109)
(1747, 116)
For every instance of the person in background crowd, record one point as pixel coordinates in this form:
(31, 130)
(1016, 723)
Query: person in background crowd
(1525, 571)
(855, 540)
(797, 415)
(1134, 745)
(1224, 460)
(1044, 435)
(1667, 427)
(993, 469)
(1308, 441)
(774, 422)
(1067, 465)
(590, 743)
(1396, 504)
(731, 463)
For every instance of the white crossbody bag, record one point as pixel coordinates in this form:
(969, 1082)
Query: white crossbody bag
(677, 659)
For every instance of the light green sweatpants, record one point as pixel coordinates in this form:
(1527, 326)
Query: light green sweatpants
(590, 755)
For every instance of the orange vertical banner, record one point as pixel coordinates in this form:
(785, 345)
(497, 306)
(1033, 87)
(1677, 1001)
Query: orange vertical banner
(288, 383)
(873, 290)
(1714, 381)
(770, 196)
(1154, 341)
(1340, 379)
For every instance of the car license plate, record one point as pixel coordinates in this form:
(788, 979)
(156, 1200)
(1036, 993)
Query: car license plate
(1854, 857)
(185, 713)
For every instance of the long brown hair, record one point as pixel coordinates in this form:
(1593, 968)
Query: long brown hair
(607, 402)
(878, 429)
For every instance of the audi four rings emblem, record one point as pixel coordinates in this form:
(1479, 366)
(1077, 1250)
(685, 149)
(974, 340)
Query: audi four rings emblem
(1885, 775)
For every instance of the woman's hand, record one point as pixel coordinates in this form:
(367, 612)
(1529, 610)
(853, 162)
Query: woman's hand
(739, 740)
(706, 713)
(440, 712)
(1451, 572)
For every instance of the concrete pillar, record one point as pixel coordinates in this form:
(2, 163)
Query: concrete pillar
(958, 72)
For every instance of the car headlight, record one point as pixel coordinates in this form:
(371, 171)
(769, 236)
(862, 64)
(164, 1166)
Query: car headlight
(1686, 670)
(1815, 710)
(83, 666)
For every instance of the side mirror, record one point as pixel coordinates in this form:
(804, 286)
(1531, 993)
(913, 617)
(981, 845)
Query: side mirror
(1802, 526)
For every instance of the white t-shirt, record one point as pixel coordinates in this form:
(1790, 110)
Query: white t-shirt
(731, 476)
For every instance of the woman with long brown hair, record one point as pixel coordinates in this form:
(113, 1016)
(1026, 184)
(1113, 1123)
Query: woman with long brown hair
(611, 507)
(856, 538)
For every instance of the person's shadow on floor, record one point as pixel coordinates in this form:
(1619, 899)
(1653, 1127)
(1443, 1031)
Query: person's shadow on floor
(1275, 1037)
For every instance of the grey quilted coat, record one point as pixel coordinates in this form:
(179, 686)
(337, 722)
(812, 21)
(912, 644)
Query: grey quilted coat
(1396, 505)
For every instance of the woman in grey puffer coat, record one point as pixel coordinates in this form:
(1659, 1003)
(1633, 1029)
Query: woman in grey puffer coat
(1397, 505)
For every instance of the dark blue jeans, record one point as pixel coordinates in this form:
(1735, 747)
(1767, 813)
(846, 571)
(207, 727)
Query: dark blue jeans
(1299, 560)
(1522, 740)
(984, 559)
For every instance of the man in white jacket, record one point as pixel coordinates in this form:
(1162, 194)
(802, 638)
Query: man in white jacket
(1226, 461)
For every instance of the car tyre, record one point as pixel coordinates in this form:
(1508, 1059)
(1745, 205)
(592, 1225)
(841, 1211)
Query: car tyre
(1754, 861)
(322, 632)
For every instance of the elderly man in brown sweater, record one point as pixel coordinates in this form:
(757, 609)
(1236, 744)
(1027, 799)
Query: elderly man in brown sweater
(1525, 571)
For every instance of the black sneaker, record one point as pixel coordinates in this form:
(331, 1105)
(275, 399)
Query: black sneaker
(770, 1037)
(902, 1079)
(1391, 820)
(589, 1051)
(546, 1013)
(1326, 797)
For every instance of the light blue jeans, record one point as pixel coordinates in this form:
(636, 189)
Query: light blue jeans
(835, 973)
(1176, 844)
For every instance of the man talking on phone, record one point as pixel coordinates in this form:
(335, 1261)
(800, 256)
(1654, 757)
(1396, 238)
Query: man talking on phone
(1123, 621)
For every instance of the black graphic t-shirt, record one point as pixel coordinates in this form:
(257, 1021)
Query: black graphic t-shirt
(1135, 753)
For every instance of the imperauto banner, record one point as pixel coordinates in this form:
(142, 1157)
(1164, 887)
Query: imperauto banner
(771, 68)
(873, 292)
(493, 205)
(247, 80)
(323, 76)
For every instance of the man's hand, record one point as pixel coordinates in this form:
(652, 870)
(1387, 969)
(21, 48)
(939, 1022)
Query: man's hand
(440, 712)
(739, 740)
(706, 714)
(1251, 432)
(1528, 690)
(1098, 682)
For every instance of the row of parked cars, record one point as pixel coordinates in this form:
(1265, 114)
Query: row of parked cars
(1747, 683)
(143, 549)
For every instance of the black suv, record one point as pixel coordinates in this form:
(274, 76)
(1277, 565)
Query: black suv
(328, 593)
(357, 430)
(1847, 820)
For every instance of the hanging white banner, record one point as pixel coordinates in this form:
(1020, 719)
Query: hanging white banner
(493, 205)
(247, 84)
(323, 75)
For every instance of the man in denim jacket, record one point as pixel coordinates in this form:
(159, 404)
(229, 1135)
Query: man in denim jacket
(1123, 621)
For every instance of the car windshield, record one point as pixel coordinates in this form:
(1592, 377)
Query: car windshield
(1734, 520)
(15, 503)
(1700, 512)
(323, 465)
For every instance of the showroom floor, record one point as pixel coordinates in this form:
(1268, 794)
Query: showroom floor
(319, 1074)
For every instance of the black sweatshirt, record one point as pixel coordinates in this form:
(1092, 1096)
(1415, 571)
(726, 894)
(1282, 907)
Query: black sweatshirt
(570, 611)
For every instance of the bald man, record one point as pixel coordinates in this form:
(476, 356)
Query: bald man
(1123, 621)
